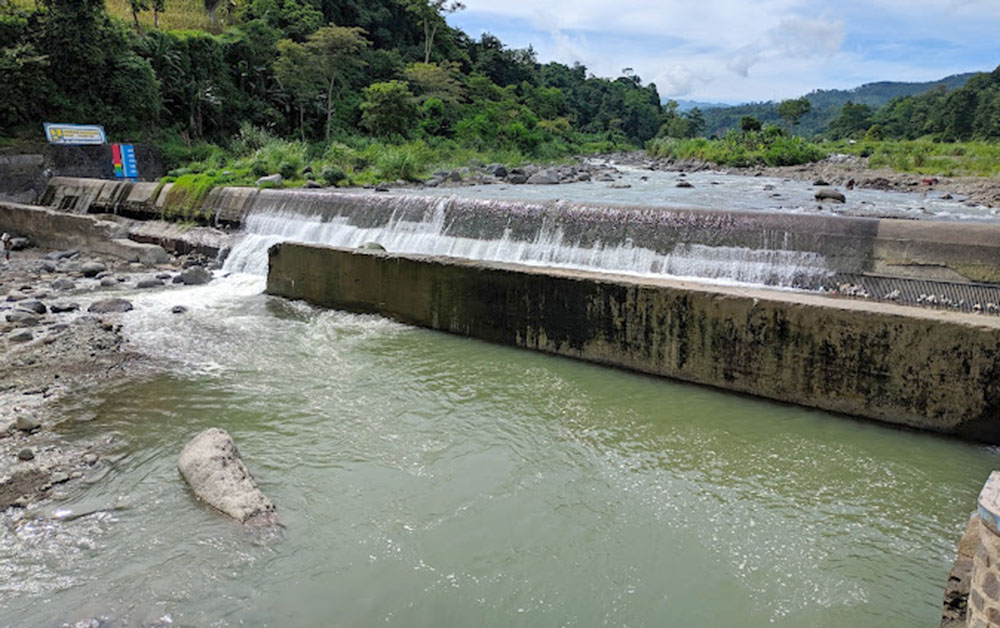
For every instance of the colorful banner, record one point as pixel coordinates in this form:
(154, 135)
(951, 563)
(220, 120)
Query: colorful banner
(123, 156)
(75, 134)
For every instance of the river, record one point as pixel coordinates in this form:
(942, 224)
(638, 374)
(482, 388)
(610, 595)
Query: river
(430, 480)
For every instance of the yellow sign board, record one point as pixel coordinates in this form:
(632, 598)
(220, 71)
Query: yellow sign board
(77, 134)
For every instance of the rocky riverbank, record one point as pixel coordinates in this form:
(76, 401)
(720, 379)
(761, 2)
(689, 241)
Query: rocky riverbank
(60, 336)
(843, 171)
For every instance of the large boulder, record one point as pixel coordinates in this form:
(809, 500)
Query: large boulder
(110, 306)
(195, 276)
(212, 467)
(830, 194)
(545, 177)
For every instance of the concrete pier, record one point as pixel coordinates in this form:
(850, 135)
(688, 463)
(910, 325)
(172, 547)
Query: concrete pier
(934, 370)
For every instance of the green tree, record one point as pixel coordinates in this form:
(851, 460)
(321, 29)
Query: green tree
(159, 7)
(854, 120)
(388, 109)
(431, 15)
(137, 6)
(435, 81)
(319, 67)
(750, 124)
(793, 110)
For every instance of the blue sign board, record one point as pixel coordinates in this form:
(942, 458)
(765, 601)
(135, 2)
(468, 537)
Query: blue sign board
(75, 134)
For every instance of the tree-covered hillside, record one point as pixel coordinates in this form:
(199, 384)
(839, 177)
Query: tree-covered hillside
(314, 70)
(826, 105)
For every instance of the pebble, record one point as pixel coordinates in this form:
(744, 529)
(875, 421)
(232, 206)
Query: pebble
(26, 454)
(59, 308)
(21, 335)
(90, 459)
(27, 424)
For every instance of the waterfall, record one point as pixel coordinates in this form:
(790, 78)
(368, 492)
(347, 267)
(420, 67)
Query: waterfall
(710, 246)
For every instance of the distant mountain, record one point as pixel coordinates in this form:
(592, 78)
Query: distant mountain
(688, 105)
(826, 104)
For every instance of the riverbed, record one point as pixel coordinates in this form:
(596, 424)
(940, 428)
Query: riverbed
(426, 480)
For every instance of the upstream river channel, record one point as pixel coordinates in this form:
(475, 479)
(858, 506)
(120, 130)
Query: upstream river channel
(427, 480)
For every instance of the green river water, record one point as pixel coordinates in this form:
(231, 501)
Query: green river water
(430, 480)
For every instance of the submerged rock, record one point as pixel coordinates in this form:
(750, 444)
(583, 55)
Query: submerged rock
(212, 467)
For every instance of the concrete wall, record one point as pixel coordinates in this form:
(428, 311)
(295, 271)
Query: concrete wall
(927, 369)
(940, 251)
(972, 597)
(147, 242)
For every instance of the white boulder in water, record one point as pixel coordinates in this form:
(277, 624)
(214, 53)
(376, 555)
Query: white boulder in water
(212, 466)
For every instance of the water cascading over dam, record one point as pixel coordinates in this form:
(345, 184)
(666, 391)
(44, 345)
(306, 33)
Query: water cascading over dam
(711, 246)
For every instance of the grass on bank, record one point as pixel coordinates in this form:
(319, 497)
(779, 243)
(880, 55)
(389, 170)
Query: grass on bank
(741, 149)
(180, 14)
(981, 159)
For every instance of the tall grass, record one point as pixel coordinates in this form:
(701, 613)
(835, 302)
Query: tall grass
(180, 14)
(927, 157)
(741, 149)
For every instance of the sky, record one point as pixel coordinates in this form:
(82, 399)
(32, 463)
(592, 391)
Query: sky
(749, 50)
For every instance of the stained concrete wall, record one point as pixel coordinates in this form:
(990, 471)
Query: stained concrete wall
(927, 369)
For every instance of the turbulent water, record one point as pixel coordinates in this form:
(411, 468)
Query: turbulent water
(429, 480)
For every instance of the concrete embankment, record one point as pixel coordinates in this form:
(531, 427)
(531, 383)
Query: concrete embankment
(933, 370)
(148, 242)
(842, 245)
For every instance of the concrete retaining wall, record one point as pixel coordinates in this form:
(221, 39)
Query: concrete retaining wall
(146, 242)
(927, 369)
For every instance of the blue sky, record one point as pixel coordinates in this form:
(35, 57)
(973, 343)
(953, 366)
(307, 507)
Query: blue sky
(736, 51)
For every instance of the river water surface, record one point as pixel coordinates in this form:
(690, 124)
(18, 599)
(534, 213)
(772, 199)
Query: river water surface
(429, 480)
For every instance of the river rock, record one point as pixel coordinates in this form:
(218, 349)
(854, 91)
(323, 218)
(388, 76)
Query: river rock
(23, 319)
(61, 308)
(63, 284)
(109, 282)
(21, 335)
(312, 185)
(152, 282)
(685, 184)
(35, 307)
(271, 181)
(372, 246)
(829, 194)
(212, 467)
(517, 178)
(497, 170)
(455, 176)
(26, 454)
(27, 424)
(19, 244)
(821, 183)
(433, 182)
(110, 306)
(55, 256)
(178, 309)
(195, 276)
(92, 269)
(545, 177)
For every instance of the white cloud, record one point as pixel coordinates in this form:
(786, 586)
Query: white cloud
(748, 50)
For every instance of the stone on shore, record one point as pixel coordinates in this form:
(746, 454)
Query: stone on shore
(545, 177)
(27, 424)
(35, 307)
(110, 306)
(60, 308)
(23, 319)
(829, 194)
(92, 269)
(26, 454)
(212, 467)
(271, 181)
(63, 284)
(21, 335)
